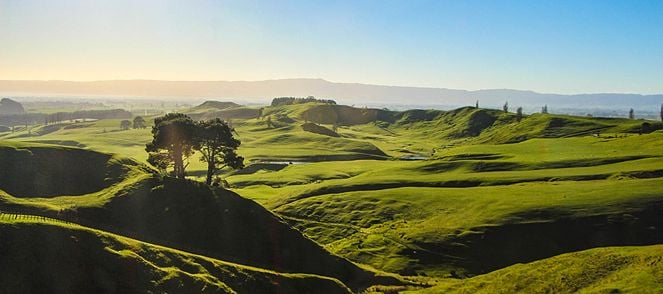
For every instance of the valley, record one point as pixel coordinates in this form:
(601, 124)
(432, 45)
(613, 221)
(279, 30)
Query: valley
(349, 199)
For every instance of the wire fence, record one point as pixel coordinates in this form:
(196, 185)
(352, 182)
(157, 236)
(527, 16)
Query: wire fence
(4, 215)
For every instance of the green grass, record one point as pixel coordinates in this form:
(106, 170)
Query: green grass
(162, 210)
(494, 192)
(81, 259)
(377, 212)
(602, 270)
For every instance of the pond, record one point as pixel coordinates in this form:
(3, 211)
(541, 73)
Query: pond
(414, 157)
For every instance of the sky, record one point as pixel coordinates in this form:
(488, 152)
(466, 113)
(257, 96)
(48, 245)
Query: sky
(556, 46)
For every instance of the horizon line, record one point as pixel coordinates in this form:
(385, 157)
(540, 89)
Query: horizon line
(325, 80)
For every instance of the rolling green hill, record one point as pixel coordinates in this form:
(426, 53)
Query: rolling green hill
(601, 270)
(78, 259)
(145, 206)
(466, 193)
(477, 208)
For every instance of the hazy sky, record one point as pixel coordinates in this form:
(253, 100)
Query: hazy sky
(549, 46)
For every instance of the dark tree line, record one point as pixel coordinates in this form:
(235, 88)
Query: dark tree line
(294, 100)
(176, 137)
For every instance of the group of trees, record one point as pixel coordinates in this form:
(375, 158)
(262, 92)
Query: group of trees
(294, 100)
(138, 123)
(175, 138)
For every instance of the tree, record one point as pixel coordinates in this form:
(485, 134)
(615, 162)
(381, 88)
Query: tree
(519, 114)
(215, 141)
(544, 109)
(139, 122)
(173, 142)
(159, 160)
(506, 106)
(125, 125)
(631, 114)
(646, 128)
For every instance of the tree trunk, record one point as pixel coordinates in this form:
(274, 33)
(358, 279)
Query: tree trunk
(178, 163)
(210, 172)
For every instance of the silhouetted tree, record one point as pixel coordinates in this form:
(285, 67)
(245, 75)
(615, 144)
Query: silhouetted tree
(646, 128)
(125, 125)
(172, 142)
(506, 106)
(519, 114)
(631, 114)
(544, 109)
(215, 141)
(159, 160)
(139, 122)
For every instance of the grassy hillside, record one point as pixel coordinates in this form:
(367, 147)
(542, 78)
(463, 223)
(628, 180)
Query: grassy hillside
(77, 259)
(444, 194)
(602, 270)
(48, 171)
(163, 211)
(475, 208)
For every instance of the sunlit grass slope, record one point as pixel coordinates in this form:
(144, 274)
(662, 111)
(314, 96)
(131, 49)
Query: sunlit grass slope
(475, 208)
(76, 259)
(601, 270)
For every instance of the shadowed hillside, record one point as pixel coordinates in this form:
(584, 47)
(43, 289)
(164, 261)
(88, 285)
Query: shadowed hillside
(344, 115)
(48, 171)
(81, 260)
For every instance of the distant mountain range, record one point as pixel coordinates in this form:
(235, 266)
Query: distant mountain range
(347, 93)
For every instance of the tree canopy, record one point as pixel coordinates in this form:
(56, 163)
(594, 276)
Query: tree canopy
(125, 124)
(176, 136)
(173, 142)
(139, 122)
(218, 147)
